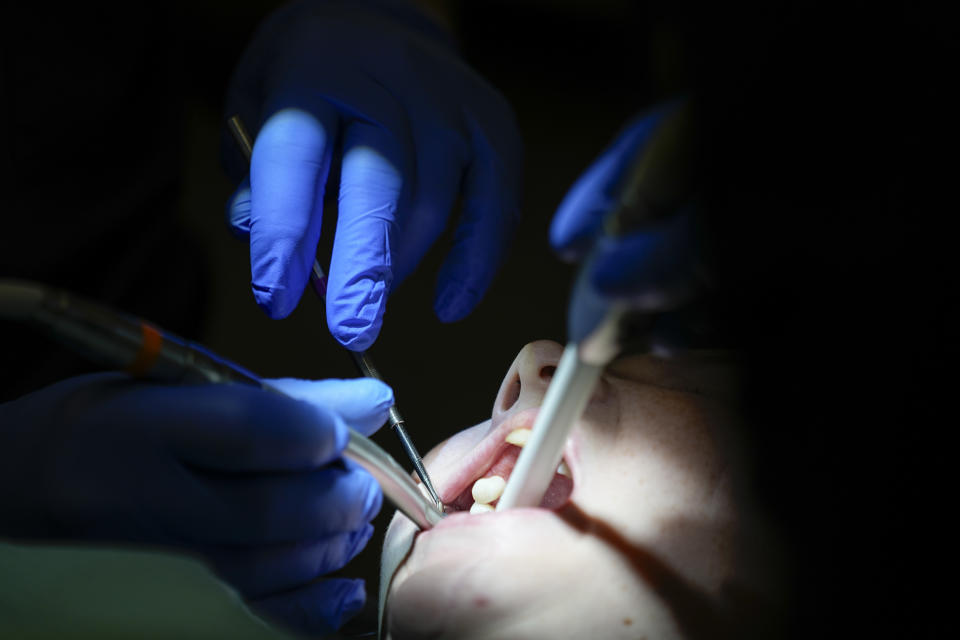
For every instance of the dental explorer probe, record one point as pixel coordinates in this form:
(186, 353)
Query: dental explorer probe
(318, 282)
(655, 187)
(142, 350)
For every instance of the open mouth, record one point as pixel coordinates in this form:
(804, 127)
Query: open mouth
(484, 473)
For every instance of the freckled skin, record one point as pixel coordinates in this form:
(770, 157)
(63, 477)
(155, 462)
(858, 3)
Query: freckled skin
(649, 548)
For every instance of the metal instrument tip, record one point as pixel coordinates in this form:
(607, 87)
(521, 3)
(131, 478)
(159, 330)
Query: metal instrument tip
(414, 456)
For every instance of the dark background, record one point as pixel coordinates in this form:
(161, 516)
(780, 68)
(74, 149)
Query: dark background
(827, 184)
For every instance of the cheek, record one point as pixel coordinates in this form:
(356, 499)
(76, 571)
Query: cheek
(661, 458)
(638, 490)
(615, 469)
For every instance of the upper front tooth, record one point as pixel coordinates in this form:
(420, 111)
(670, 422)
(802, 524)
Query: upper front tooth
(486, 490)
(563, 469)
(518, 437)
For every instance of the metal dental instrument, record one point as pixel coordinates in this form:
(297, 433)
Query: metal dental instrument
(117, 340)
(654, 188)
(318, 282)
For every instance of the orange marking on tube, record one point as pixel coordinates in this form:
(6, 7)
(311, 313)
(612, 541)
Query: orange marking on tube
(149, 350)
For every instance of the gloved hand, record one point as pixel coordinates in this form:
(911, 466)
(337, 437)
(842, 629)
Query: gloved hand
(641, 266)
(417, 127)
(248, 479)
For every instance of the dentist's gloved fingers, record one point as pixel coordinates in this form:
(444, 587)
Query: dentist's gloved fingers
(361, 265)
(392, 73)
(258, 509)
(659, 261)
(363, 403)
(439, 177)
(220, 427)
(491, 212)
(318, 608)
(580, 215)
(260, 571)
(288, 174)
(238, 210)
(233, 428)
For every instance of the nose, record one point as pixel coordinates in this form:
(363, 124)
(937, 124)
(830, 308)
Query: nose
(527, 379)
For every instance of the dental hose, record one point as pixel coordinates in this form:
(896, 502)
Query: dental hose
(142, 350)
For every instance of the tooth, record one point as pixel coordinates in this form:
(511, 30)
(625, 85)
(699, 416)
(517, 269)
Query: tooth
(486, 490)
(479, 507)
(563, 469)
(518, 437)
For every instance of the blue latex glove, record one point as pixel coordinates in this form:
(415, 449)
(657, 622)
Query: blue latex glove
(248, 479)
(417, 129)
(639, 266)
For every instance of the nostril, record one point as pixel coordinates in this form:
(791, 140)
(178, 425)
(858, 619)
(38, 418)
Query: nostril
(512, 394)
(546, 372)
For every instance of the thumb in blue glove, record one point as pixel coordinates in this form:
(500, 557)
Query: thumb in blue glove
(250, 480)
(417, 129)
(642, 265)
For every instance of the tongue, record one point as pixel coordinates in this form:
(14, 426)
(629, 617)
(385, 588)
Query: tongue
(558, 492)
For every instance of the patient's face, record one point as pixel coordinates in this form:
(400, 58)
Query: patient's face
(645, 538)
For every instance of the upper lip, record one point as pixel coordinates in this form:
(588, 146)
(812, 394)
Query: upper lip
(482, 456)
